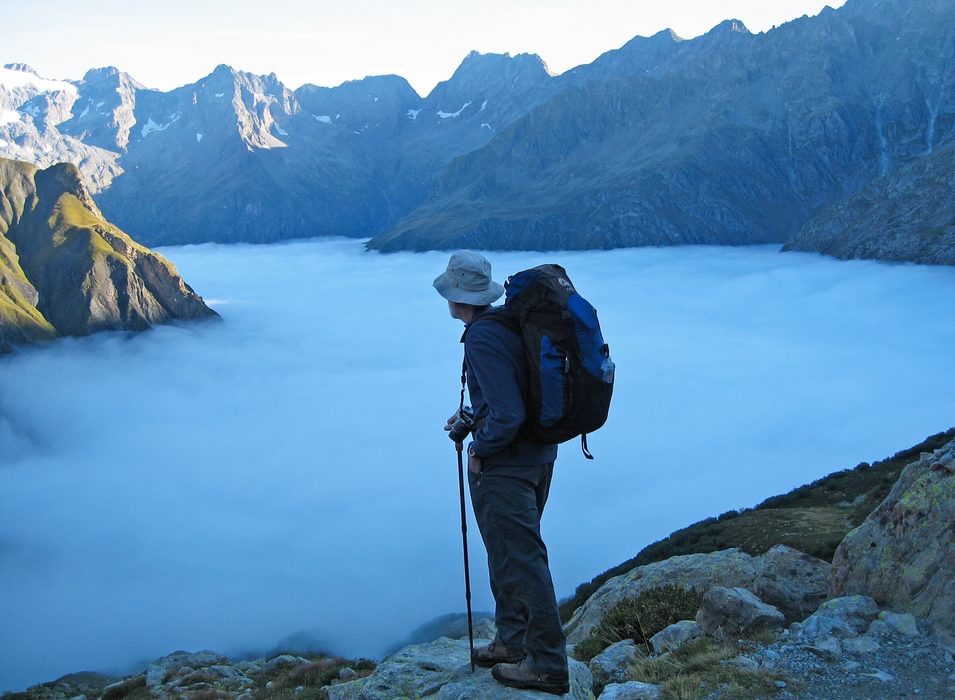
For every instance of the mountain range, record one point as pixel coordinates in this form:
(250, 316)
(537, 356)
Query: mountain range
(808, 135)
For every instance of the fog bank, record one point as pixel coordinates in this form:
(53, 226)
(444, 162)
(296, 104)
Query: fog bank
(227, 484)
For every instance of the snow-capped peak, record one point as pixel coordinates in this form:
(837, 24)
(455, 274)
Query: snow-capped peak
(12, 79)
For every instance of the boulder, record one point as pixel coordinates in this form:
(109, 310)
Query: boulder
(826, 648)
(442, 670)
(732, 612)
(611, 665)
(631, 690)
(901, 623)
(794, 582)
(860, 646)
(729, 567)
(840, 617)
(903, 554)
(676, 635)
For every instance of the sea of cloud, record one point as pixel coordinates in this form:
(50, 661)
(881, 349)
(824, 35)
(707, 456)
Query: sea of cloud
(283, 471)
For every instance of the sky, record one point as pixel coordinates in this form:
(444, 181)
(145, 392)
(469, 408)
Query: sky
(177, 42)
(284, 471)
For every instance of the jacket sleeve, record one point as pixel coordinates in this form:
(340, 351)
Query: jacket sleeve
(493, 368)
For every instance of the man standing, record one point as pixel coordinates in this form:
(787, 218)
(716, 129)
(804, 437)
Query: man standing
(509, 479)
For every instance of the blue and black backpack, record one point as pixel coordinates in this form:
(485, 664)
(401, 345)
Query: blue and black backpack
(569, 367)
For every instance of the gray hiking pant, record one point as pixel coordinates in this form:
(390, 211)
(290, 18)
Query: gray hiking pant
(508, 502)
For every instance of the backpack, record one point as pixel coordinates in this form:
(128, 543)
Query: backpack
(570, 373)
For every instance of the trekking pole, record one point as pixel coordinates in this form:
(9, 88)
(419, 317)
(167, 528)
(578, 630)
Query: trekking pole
(464, 535)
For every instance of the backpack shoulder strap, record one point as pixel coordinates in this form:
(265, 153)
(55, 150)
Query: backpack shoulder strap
(502, 315)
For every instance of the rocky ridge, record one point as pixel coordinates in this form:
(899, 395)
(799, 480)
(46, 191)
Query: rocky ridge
(844, 647)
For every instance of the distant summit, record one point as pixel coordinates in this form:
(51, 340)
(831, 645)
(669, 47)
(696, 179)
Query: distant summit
(21, 67)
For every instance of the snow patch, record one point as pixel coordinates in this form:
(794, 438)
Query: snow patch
(198, 137)
(489, 127)
(375, 98)
(220, 94)
(12, 79)
(483, 106)
(152, 127)
(323, 118)
(279, 130)
(99, 105)
(412, 114)
(85, 111)
(452, 115)
(9, 116)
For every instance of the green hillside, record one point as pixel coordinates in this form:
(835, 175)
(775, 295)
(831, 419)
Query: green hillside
(65, 270)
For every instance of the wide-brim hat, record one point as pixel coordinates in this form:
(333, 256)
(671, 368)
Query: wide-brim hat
(468, 280)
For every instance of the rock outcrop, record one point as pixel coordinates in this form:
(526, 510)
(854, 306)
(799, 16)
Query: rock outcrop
(65, 270)
(805, 580)
(903, 554)
(442, 670)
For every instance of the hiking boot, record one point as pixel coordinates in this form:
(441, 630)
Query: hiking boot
(519, 676)
(494, 653)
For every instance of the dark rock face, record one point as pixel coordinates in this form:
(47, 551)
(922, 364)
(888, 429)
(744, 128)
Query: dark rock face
(65, 270)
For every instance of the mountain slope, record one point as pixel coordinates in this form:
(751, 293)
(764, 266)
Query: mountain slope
(65, 270)
(906, 215)
(730, 138)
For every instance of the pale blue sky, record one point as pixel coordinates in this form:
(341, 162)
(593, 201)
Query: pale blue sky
(175, 42)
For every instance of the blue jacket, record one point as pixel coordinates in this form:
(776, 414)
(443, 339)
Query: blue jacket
(497, 384)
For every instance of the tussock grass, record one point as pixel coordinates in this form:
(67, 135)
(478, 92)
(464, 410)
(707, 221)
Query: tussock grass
(641, 617)
(699, 670)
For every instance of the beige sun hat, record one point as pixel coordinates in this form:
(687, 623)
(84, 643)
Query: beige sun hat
(468, 280)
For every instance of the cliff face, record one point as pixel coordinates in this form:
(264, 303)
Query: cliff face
(65, 270)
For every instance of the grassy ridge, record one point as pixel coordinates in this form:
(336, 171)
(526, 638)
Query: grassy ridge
(812, 518)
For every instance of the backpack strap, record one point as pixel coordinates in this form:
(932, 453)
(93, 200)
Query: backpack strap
(502, 315)
(583, 446)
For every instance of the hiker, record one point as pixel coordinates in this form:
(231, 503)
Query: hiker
(509, 479)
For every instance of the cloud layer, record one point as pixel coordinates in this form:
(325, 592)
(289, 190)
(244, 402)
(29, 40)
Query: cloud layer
(227, 484)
